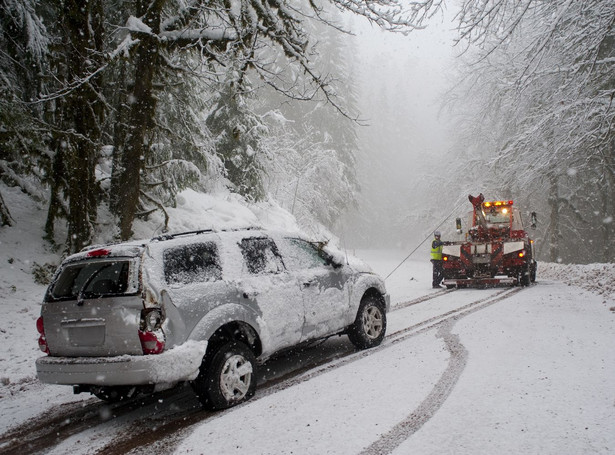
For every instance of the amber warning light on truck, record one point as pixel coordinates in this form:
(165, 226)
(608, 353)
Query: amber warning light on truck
(497, 203)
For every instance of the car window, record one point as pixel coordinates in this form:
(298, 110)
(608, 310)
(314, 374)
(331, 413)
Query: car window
(300, 254)
(261, 255)
(92, 278)
(192, 263)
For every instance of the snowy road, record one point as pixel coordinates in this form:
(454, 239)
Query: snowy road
(467, 372)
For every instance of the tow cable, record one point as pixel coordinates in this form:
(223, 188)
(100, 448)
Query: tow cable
(419, 245)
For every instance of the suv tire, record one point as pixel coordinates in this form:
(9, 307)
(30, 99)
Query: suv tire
(369, 327)
(227, 377)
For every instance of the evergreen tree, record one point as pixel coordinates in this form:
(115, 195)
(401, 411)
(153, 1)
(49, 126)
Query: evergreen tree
(24, 43)
(543, 92)
(136, 78)
(237, 138)
(78, 116)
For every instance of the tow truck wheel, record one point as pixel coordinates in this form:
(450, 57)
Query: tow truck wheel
(533, 273)
(525, 276)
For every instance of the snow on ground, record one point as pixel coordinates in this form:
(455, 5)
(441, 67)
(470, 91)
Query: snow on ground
(20, 251)
(339, 412)
(531, 374)
(538, 379)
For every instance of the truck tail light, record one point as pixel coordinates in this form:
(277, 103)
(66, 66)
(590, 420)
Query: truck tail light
(42, 339)
(150, 331)
(521, 254)
(445, 258)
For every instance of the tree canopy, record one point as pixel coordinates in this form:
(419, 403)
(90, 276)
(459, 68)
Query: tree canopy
(119, 105)
(536, 111)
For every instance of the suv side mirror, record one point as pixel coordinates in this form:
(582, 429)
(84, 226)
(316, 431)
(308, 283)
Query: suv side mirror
(534, 220)
(329, 260)
(325, 255)
(335, 265)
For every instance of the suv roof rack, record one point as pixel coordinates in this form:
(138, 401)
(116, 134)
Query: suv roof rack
(167, 236)
(163, 237)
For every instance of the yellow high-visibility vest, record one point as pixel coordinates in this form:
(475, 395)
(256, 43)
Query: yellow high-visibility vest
(436, 253)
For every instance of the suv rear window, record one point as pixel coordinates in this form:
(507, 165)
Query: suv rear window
(192, 263)
(93, 278)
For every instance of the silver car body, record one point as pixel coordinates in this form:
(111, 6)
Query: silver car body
(288, 293)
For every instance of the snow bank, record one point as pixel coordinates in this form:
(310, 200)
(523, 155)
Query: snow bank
(596, 278)
(22, 253)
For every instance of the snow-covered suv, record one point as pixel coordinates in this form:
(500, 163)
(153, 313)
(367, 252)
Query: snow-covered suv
(200, 307)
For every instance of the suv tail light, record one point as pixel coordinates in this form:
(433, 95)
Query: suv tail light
(42, 340)
(99, 253)
(150, 331)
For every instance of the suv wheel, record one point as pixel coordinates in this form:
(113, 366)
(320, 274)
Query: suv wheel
(226, 378)
(370, 324)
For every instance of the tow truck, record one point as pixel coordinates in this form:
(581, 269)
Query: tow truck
(497, 249)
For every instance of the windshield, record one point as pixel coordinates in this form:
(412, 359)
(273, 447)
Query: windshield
(497, 214)
(92, 278)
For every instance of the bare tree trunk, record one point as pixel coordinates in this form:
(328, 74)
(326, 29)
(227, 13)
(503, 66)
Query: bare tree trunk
(57, 178)
(5, 215)
(554, 231)
(78, 121)
(608, 211)
(136, 148)
(122, 112)
(85, 22)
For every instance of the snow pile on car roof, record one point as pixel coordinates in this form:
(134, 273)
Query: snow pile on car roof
(196, 211)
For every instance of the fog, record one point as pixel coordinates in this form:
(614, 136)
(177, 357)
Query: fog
(402, 83)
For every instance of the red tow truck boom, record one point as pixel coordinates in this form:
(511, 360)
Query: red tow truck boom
(497, 249)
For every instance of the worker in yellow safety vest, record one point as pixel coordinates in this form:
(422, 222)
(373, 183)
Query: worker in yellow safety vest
(436, 259)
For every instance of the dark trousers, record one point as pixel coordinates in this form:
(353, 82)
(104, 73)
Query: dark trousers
(438, 273)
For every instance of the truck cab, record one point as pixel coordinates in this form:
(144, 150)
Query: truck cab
(497, 249)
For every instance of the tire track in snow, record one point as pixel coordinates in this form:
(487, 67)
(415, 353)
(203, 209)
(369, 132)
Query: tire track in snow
(425, 298)
(170, 434)
(389, 441)
(432, 403)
